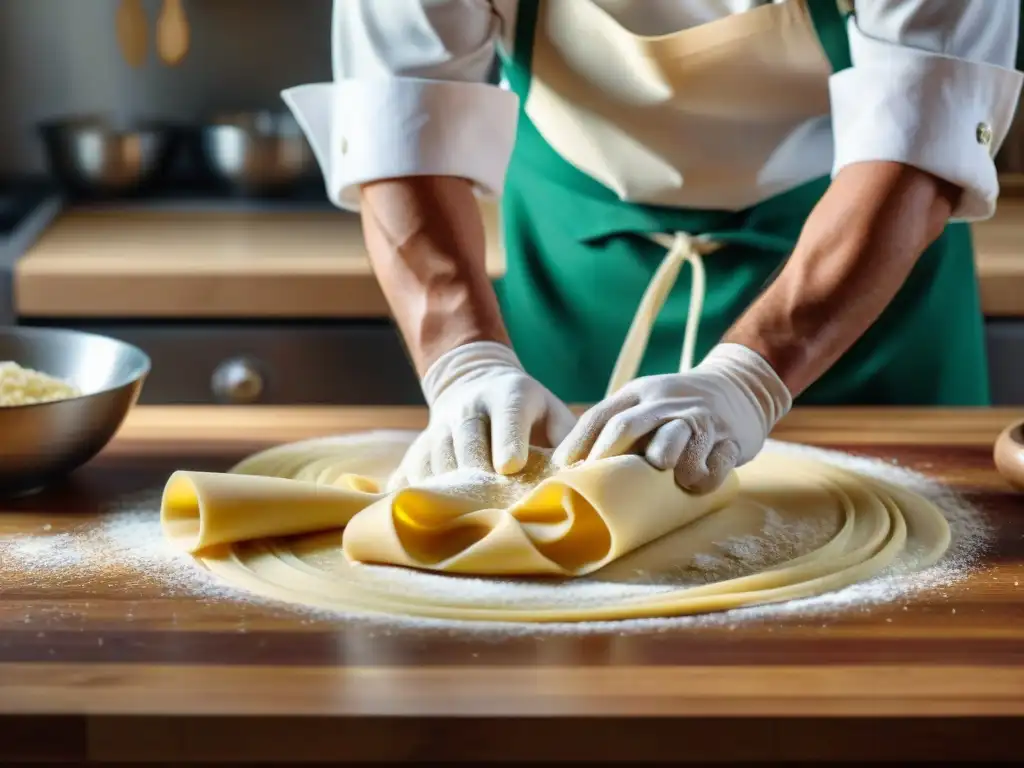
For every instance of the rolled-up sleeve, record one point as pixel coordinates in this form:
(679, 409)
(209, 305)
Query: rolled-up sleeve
(410, 96)
(933, 86)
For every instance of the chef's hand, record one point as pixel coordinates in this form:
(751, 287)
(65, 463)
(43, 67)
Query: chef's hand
(701, 424)
(483, 409)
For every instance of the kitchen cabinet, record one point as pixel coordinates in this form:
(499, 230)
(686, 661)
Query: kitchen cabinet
(271, 363)
(356, 363)
(1005, 338)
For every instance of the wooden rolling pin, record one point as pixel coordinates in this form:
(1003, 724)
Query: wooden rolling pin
(1009, 455)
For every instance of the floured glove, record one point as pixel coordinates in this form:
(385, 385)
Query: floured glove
(701, 424)
(484, 408)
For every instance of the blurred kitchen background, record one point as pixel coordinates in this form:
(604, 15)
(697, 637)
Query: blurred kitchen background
(59, 57)
(204, 235)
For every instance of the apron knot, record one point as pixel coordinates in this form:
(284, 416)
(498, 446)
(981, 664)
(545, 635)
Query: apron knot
(683, 248)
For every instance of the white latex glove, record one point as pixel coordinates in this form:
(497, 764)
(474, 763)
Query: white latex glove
(483, 408)
(702, 423)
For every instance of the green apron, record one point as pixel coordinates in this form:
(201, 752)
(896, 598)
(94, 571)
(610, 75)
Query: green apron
(578, 261)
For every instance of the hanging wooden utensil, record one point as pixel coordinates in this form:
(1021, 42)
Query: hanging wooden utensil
(172, 32)
(133, 32)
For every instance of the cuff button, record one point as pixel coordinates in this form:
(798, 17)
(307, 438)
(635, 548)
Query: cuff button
(344, 145)
(984, 134)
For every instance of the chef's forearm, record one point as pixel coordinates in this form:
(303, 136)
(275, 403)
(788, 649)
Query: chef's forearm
(426, 241)
(857, 248)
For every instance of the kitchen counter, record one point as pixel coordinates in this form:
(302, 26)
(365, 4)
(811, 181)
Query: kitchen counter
(122, 668)
(167, 264)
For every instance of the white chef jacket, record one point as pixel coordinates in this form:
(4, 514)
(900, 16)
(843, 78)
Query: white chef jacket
(932, 85)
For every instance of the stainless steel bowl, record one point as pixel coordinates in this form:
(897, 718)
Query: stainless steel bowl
(258, 152)
(41, 443)
(93, 156)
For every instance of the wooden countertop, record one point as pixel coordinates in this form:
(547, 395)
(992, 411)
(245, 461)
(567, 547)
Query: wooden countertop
(216, 265)
(298, 265)
(118, 668)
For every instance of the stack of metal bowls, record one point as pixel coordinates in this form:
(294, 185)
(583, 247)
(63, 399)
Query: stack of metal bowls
(93, 156)
(261, 153)
(258, 153)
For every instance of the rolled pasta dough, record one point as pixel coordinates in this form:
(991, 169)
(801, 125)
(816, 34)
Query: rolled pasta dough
(280, 525)
(569, 523)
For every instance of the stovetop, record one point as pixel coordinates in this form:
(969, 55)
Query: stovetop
(19, 200)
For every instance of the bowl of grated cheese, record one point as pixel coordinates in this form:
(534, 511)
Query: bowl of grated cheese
(63, 396)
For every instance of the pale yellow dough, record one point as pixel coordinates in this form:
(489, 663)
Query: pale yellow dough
(295, 522)
(567, 524)
(292, 523)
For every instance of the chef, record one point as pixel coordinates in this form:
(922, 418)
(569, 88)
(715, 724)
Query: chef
(812, 163)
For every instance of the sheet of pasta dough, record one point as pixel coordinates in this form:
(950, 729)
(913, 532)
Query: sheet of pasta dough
(280, 525)
(566, 523)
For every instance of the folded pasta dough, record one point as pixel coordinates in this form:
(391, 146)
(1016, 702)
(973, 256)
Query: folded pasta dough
(569, 524)
(200, 510)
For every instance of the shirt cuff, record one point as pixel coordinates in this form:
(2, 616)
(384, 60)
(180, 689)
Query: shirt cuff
(366, 130)
(943, 115)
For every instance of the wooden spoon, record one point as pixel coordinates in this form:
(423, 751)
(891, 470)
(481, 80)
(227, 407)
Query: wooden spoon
(1009, 455)
(133, 32)
(172, 32)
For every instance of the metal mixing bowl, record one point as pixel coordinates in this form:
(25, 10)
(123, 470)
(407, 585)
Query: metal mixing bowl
(41, 443)
(93, 156)
(258, 152)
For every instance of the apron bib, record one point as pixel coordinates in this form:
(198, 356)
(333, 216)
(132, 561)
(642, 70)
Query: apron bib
(599, 169)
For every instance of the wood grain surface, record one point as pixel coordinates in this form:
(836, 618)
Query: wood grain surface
(118, 666)
(999, 255)
(208, 265)
(300, 265)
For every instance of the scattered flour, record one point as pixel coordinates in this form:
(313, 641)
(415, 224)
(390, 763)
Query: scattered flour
(495, 490)
(128, 547)
(48, 553)
(777, 541)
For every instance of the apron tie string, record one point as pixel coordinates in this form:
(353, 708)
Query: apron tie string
(682, 248)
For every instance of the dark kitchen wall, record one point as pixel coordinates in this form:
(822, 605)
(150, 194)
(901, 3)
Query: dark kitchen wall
(61, 57)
